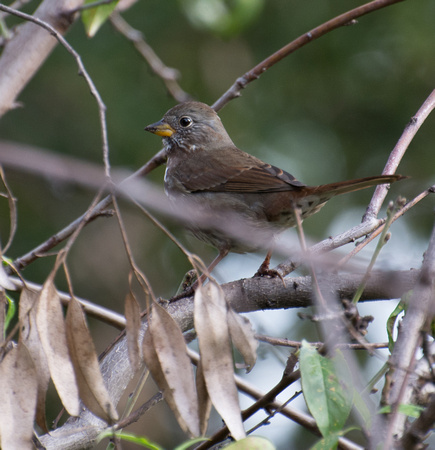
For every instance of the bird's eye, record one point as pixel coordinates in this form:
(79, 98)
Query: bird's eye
(186, 121)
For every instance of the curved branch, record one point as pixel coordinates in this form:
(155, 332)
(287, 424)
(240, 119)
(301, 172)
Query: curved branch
(301, 41)
(397, 153)
(168, 75)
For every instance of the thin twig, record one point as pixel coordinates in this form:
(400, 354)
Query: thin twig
(82, 71)
(140, 276)
(12, 212)
(378, 231)
(91, 6)
(168, 75)
(63, 234)
(316, 288)
(297, 344)
(136, 415)
(266, 420)
(196, 262)
(392, 208)
(266, 400)
(134, 397)
(321, 30)
(331, 243)
(15, 5)
(288, 378)
(397, 153)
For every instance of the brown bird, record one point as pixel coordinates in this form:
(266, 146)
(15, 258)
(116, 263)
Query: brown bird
(242, 201)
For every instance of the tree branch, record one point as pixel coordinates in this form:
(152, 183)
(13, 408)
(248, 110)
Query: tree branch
(82, 71)
(417, 320)
(70, 170)
(397, 153)
(28, 49)
(167, 74)
(301, 41)
(244, 295)
(423, 387)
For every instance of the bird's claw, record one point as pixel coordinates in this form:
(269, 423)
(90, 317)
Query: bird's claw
(267, 272)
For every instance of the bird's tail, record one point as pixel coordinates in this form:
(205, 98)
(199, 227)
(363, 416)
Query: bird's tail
(342, 187)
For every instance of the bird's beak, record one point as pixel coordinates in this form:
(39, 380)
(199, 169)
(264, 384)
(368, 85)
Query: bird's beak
(160, 128)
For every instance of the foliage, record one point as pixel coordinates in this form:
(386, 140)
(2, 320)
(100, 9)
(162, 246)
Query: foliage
(327, 99)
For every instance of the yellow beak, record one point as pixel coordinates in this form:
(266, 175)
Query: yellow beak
(160, 128)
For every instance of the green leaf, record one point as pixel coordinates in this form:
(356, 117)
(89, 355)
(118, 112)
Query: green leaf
(406, 409)
(330, 442)
(324, 384)
(140, 440)
(10, 314)
(144, 442)
(94, 18)
(190, 442)
(383, 239)
(252, 443)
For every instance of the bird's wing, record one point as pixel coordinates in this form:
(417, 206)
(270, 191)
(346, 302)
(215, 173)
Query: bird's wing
(264, 178)
(236, 173)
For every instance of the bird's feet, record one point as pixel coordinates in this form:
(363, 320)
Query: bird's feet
(187, 286)
(265, 271)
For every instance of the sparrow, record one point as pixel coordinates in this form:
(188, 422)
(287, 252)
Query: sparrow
(241, 201)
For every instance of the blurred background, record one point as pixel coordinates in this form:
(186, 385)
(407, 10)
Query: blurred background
(331, 111)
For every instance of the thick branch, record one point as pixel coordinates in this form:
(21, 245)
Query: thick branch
(28, 49)
(244, 295)
(419, 430)
(416, 321)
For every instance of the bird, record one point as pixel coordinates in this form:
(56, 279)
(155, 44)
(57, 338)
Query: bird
(241, 201)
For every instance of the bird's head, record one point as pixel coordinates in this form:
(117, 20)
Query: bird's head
(191, 126)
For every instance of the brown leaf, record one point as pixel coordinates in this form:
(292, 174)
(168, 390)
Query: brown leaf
(175, 368)
(132, 316)
(29, 336)
(18, 392)
(92, 390)
(204, 402)
(211, 326)
(51, 328)
(152, 361)
(243, 337)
